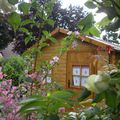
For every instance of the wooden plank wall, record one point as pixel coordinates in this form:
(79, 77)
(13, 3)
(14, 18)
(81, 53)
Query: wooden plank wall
(59, 70)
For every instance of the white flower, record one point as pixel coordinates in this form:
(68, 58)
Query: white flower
(52, 62)
(90, 83)
(101, 82)
(98, 83)
(56, 58)
(69, 33)
(77, 33)
(74, 44)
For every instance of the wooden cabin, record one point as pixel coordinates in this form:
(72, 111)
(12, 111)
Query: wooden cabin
(75, 66)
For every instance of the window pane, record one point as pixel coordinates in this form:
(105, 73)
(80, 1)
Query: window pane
(83, 80)
(48, 80)
(76, 80)
(85, 70)
(76, 70)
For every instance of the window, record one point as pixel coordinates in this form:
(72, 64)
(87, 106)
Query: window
(79, 75)
(48, 78)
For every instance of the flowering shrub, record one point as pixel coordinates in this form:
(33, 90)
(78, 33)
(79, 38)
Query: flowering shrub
(8, 101)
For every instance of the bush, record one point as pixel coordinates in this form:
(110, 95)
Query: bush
(14, 68)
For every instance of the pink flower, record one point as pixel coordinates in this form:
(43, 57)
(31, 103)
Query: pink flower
(33, 75)
(4, 83)
(82, 38)
(9, 82)
(2, 99)
(10, 95)
(1, 75)
(52, 62)
(33, 66)
(77, 33)
(10, 116)
(5, 92)
(61, 109)
(13, 89)
(74, 44)
(56, 58)
(69, 33)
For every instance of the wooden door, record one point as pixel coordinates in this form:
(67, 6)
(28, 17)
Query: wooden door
(79, 67)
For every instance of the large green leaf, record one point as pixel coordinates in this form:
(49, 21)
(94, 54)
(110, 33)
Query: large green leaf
(90, 5)
(94, 31)
(13, 2)
(105, 21)
(86, 23)
(25, 22)
(24, 7)
(111, 98)
(14, 19)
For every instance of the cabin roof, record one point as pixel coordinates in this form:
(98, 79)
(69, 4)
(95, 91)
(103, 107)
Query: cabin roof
(93, 40)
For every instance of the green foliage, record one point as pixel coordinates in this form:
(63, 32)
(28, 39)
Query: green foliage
(24, 7)
(110, 23)
(14, 68)
(14, 19)
(49, 105)
(110, 93)
(87, 26)
(90, 4)
(105, 21)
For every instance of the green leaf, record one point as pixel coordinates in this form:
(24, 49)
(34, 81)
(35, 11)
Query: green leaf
(42, 45)
(27, 39)
(90, 5)
(94, 31)
(85, 93)
(14, 19)
(105, 21)
(50, 22)
(52, 39)
(13, 2)
(45, 33)
(25, 22)
(111, 98)
(24, 30)
(86, 23)
(24, 7)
